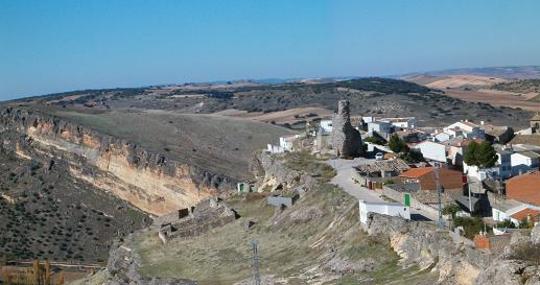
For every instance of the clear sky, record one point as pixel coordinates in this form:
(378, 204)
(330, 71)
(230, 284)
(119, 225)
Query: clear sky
(53, 46)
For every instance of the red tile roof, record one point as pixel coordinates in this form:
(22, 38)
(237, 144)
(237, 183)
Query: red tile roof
(523, 214)
(525, 188)
(417, 172)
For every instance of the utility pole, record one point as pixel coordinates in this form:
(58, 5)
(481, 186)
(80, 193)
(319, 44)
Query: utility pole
(470, 202)
(436, 169)
(255, 262)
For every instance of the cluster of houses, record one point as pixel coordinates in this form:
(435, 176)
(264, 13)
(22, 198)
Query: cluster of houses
(508, 191)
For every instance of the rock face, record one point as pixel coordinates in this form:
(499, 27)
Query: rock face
(420, 243)
(123, 269)
(535, 234)
(457, 263)
(148, 180)
(346, 140)
(271, 172)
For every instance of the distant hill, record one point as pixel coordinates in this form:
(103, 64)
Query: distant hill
(511, 86)
(505, 72)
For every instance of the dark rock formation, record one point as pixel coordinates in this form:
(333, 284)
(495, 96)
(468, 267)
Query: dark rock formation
(346, 140)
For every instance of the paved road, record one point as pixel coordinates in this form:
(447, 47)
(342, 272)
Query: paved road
(343, 179)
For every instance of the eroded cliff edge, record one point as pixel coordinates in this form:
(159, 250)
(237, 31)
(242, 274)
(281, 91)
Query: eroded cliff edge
(148, 180)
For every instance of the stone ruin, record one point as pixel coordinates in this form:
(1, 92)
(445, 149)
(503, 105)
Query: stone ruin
(190, 222)
(346, 140)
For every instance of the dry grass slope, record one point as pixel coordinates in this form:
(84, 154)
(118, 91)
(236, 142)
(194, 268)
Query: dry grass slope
(296, 246)
(220, 144)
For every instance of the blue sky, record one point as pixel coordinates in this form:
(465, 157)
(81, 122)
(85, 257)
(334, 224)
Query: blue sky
(53, 46)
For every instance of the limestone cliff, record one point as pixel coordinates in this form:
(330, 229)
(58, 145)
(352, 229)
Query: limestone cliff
(148, 180)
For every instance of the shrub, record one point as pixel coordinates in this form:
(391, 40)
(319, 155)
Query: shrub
(471, 226)
(451, 209)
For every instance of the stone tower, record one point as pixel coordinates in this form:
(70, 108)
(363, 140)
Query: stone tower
(346, 140)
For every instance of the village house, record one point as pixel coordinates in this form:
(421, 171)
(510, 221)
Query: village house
(390, 209)
(412, 135)
(403, 123)
(497, 134)
(514, 211)
(286, 144)
(382, 128)
(524, 188)
(432, 151)
(326, 126)
(441, 137)
(501, 170)
(524, 161)
(534, 123)
(384, 168)
(464, 129)
(425, 178)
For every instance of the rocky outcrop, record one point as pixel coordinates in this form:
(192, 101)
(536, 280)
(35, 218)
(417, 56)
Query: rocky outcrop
(518, 264)
(457, 263)
(535, 234)
(346, 140)
(123, 269)
(422, 244)
(148, 180)
(272, 173)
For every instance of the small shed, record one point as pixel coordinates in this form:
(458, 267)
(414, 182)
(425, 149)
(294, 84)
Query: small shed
(282, 201)
(390, 209)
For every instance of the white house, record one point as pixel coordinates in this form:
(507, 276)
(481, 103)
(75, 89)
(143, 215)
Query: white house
(513, 211)
(465, 129)
(442, 137)
(368, 119)
(403, 123)
(382, 128)
(287, 142)
(432, 151)
(501, 170)
(390, 209)
(524, 161)
(326, 126)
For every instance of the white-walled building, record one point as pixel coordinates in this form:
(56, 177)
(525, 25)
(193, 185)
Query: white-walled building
(390, 209)
(524, 161)
(501, 170)
(442, 137)
(286, 144)
(464, 129)
(326, 126)
(382, 128)
(403, 123)
(513, 211)
(432, 151)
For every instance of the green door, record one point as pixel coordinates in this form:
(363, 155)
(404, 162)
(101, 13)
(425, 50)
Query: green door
(407, 199)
